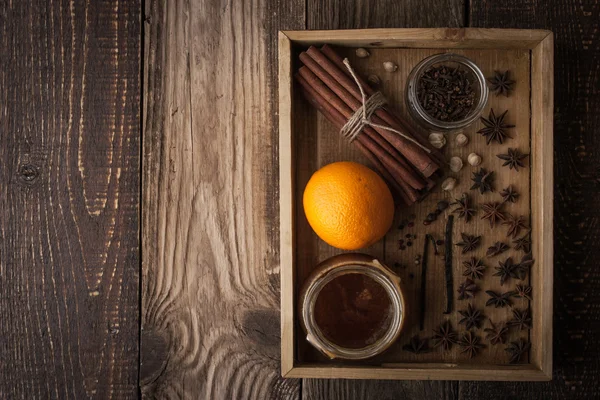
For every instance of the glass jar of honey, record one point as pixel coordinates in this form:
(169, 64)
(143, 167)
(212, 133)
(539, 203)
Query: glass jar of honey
(352, 307)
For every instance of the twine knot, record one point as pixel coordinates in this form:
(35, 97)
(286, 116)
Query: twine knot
(362, 116)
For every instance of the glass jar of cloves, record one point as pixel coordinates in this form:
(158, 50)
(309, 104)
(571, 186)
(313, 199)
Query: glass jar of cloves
(446, 92)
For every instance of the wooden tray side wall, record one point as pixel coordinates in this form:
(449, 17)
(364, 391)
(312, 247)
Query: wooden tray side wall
(541, 46)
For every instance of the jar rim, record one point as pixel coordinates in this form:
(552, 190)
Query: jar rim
(379, 274)
(419, 112)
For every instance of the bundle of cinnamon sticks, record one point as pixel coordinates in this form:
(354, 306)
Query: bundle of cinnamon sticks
(328, 85)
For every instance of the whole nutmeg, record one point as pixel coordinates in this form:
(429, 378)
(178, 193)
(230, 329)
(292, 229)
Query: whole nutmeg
(449, 184)
(456, 164)
(390, 66)
(461, 140)
(374, 80)
(474, 159)
(437, 140)
(362, 53)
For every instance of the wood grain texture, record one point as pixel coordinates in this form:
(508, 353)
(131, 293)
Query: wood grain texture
(210, 294)
(69, 199)
(576, 229)
(334, 14)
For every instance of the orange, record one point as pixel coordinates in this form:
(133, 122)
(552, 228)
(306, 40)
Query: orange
(348, 205)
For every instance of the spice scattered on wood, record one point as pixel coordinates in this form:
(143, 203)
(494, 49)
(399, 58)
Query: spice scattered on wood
(483, 181)
(362, 53)
(494, 127)
(474, 159)
(506, 270)
(444, 336)
(496, 333)
(390, 66)
(496, 248)
(456, 164)
(432, 216)
(516, 350)
(500, 83)
(521, 319)
(469, 242)
(424, 281)
(448, 184)
(464, 208)
(461, 140)
(515, 224)
(448, 264)
(523, 243)
(471, 344)
(446, 93)
(509, 195)
(437, 140)
(492, 211)
(467, 290)
(525, 265)
(474, 268)
(523, 291)
(499, 300)
(417, 345)
(513, 159)
(471, 317)
(353, 311)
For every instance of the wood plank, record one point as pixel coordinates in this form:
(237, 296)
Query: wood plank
(427, 372)
(334, 14)
(210, 234)
(473, 38)
(69, 199)
(576, 231)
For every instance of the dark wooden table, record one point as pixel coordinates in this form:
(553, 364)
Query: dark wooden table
(138, 196)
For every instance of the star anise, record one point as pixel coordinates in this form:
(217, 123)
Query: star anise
(495, 127)
(517, 349)
(492, 212)
(506, 270)
(444, 336)
(523, 243)
(523, 291)
(496, 334)
(498, 300)
(515, 224)
(473, 268)
(469, 242)
(513, 158)
(501, 83)
(521, 319)
(471, 344)
(482, 181)
(417, 345)
(524, 265)
(467, 290)
(464, 208)
(496, 249)
(471, 317)
(509, 195)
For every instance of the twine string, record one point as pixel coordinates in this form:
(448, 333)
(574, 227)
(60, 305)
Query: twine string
(362, 116)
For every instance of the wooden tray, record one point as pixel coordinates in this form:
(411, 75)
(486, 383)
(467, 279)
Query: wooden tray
(308, 141)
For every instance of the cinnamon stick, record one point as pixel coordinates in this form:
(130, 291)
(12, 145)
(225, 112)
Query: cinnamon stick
(408, 194)
(338, 123)
(354, 105)
(416, 155)
(407, 174)
(389, 116)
